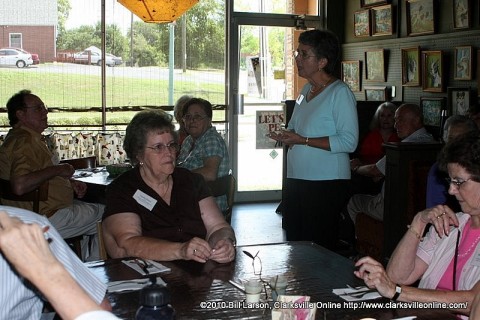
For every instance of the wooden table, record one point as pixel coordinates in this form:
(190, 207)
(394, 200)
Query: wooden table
(310, 270)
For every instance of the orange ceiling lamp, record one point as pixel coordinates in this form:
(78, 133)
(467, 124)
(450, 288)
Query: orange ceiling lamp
(158, 11)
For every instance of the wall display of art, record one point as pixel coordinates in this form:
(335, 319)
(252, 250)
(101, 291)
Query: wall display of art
(458, 100)
(411, 66)
(420, 17)
(376, 93)
(463, 63)
(370, 3)
(382, 20)
(432, 63)
(432, 110)
(375, 65)
(462, 17)
(361, 23)
(351, 74)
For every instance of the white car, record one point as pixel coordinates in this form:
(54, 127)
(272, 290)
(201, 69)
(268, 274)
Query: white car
(95, 58)
(14, 57)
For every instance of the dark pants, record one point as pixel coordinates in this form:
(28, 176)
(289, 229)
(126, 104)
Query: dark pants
(312, 210)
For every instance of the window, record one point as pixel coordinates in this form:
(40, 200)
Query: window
(16, 40)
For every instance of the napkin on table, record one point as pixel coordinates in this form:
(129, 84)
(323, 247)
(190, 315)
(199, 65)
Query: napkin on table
(155, 267)
(130, 285)
(344, 294)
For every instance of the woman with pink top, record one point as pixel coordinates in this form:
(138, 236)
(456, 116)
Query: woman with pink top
(446, 259)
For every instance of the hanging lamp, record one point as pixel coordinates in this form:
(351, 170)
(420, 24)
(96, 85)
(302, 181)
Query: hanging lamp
(158, 11)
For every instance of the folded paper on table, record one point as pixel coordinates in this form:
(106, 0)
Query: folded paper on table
(294, 308)
(130, 285)
(153, 266)
(346, 294)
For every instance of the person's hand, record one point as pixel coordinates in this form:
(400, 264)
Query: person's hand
(79, 187)
(375, 276)
(288, 137)
(223, 251)
(355, 163)
(196, 249)
(441, 217)
(25, 246)
(65, 170)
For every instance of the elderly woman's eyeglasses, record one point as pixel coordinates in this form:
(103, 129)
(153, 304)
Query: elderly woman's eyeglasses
(301, 55)
(161, 148)
(457, 182)
(195, 117)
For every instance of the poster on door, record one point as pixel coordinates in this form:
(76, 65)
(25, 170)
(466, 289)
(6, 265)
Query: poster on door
(267, 122)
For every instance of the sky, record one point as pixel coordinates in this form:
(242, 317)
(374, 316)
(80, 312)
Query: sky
(87, 12)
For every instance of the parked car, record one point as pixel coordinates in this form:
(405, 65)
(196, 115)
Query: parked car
(15, 57)
(35, 57)
(95, 58)
(118, 60)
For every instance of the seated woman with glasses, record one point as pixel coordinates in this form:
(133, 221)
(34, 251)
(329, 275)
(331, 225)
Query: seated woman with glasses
(446, 259)
(160, 212)
(204, 150)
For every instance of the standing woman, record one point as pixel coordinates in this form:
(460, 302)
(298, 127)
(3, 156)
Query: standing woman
(322, 132)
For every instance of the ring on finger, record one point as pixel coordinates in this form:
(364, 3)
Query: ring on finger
(194, 251)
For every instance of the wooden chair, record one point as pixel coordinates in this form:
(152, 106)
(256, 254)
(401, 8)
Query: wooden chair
(35, 196)
(224, 186)
(82, 163)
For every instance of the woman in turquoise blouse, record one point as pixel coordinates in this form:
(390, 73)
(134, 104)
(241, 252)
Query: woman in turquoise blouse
(322, 132)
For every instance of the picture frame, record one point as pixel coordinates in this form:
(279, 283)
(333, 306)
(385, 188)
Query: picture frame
(411, 66)
(376, 93)
(432, 110)
(382, 20)
(463, 63)
(375, 65)
(462, 16)
(459, 100)
(433, 70)
(371, 3)
(361, 23)
(420, 17)
(352, 74)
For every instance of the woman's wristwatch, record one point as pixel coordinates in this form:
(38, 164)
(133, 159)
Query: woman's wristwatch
(398, 290)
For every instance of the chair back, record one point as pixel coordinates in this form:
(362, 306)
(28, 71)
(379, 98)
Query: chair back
(82, 163)
(34, 196)
(224, 186)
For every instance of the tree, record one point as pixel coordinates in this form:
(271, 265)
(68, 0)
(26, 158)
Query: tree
(63, 7)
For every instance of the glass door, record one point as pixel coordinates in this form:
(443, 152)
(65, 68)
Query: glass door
(261, 78)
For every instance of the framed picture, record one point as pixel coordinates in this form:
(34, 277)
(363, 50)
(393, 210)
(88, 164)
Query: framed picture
(411, 67)
(458, 100)
(432, 63)
(361, 23)
(351, 74)
(375, 93)
(382, 20)
(463, 63)
(432, 110)
(375, 65)
(371, 3)
(420, 17)
(462, 17)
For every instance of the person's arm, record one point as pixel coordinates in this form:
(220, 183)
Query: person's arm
(369, 170)
(25, 183)
(210, 167)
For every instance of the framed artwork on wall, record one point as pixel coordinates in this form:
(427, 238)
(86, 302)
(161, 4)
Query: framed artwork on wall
(462, 17)
(420, 17)
(458, 100)
(411, 66)
(382, 20)
(432, 110)
(463, 63)
(361, 23)
(376, 93)
(432, 64)
(375, 65)
(351, 74)
(371, 3)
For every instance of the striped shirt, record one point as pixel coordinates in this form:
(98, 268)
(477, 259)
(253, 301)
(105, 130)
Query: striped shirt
(19, 300)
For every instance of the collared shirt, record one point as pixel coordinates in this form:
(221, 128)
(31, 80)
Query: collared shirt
(19, 300)
(210, 144)
(23, 152)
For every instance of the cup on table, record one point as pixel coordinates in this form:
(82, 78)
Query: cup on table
(253, 289)
(278, 285)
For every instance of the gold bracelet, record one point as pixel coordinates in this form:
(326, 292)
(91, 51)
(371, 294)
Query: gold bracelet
(306, 141)
(417, 235)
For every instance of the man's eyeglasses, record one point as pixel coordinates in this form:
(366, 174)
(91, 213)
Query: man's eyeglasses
(195, 117)
(161, 148)
(301, 55)
(456, 182)
(38, 108)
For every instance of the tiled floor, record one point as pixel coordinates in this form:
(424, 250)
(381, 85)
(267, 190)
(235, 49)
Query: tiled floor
(257, 223)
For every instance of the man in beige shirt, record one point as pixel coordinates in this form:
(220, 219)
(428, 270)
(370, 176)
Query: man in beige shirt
(26, 161)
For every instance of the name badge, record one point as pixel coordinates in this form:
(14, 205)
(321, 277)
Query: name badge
(476, 257)
(300, 99)
(144, 199)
